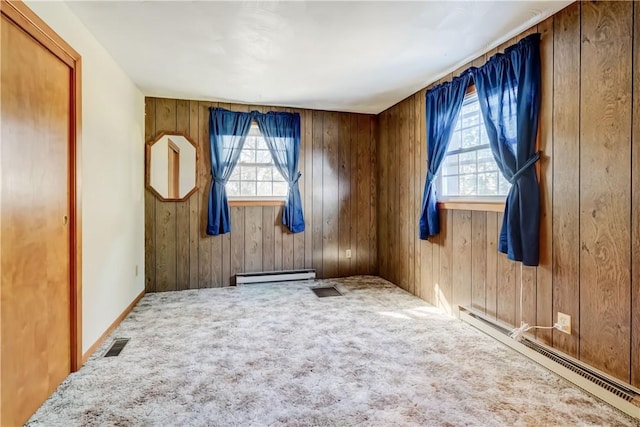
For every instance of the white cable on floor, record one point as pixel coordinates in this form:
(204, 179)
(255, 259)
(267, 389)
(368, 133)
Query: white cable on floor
(518, 333)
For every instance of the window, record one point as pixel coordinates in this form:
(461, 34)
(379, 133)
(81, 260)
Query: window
(255, 176)
(469, 171)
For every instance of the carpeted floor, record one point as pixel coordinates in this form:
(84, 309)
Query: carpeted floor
(276, 355)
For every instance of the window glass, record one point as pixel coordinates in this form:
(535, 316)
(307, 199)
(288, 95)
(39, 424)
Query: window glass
(255, 175)
(469, 171)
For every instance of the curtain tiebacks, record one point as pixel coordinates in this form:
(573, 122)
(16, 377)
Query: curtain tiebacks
(532, 160)
(218, 180)
(295, 180)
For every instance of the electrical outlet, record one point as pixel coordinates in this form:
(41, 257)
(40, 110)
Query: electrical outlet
(136, 270)
(564, 320)
(348, 253)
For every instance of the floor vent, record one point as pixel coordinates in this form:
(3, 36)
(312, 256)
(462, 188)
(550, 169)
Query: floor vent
(603, 386)
(116, 347)
(328, 291)
(274, 276)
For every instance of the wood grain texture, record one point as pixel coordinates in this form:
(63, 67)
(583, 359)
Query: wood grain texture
(204, 187)
(403, 196)
(344, 196)
(506, 285)
(635, 203)
(446, 261)
(544, 285)
(605, 173)
(478, 260)
(462, 260)
(415, 190)
(165, 220)
(149, 208)
(330, 195)
(372, 148)
(493, 230)
(37, 175)
(179, 254)
(317, 207)
(194, 207)
(383, 195)
(566, 188)
(364, 181)
(182, 209)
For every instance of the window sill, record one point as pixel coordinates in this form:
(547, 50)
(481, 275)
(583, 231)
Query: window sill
(255, 202)
(472, 206)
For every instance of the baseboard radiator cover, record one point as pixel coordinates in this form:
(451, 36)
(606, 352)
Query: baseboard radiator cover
(603, 386)
(275, 276)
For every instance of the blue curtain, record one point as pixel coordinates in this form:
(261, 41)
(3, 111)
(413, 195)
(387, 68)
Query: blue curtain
(281, 131)
(443, 106)
(508, 87)
(227, 132)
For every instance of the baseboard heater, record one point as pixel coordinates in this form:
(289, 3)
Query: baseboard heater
(603, 386)
(274, 276)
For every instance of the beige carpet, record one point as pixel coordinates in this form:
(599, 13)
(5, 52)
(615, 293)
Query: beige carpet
(276, 355)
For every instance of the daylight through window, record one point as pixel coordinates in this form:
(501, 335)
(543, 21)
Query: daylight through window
(469, 170)
(255, 175)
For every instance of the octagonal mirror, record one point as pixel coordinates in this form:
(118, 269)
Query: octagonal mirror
(171, 166)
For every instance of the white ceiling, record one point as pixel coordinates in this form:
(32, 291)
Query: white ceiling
(361, 56)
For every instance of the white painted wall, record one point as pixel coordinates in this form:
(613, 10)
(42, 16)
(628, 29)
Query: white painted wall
(112, 176)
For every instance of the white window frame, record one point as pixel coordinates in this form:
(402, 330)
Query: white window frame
(255, 132)
(470, 95)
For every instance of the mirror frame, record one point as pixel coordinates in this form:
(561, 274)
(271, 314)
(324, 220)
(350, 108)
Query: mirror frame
(150, 144)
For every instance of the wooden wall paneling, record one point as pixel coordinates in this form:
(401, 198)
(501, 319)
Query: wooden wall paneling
(426, 246)
(221, 243)
(493, 231)
(383, 194)
(268, 237)
(364, 181)
(392, 230)
(403, 196)
(204, 173)
(318, 160)
(307, 156)
(287, 237)
(415, 190)
(165, 211)
(544, 285)
(605, 150)
(373, 195)
(330, 198)
(506, 285)
(253, 233)
(478, 260)
(446, 260)
(298, 245)
(149, 206)
(344, 196)
(182, 209)
(355, 214)
(410, 160)
(237, 240)
(462, 259)
(566, 175)
(194, 202)
(635, 218)
(529, 277)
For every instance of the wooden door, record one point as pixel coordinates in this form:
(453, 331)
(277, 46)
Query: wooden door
(35, 271)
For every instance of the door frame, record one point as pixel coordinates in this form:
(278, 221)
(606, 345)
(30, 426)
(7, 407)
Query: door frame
(17, 12)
